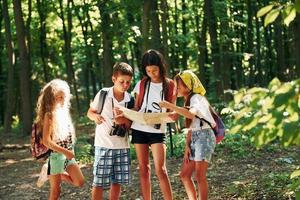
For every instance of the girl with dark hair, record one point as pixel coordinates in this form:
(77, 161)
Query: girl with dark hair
(152, 89)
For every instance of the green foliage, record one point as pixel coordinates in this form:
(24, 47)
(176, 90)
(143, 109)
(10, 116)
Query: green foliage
(178, 145)
(272, 11)
(270, 114)
(84, 150)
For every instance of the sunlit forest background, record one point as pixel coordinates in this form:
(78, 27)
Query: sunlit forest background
(246, 53)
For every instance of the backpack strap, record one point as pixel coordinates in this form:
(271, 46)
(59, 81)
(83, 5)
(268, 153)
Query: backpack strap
(102, 97)
(130, 104)
(169, 93)
(143, 85)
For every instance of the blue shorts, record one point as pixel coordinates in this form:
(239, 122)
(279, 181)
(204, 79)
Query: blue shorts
(202, 145)
(111, 166)
(58, 163)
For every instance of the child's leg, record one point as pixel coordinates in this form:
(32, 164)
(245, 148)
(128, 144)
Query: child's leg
(55, 181)
(74, 175)
(142, 152)
(200, 176)
(159, 158)
(97, 193)
(115, 191)
(186, 173)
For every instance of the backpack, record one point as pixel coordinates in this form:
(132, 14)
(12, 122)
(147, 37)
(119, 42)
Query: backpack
(219, 129)
(102, 96)
(145, 84)
(39, 151)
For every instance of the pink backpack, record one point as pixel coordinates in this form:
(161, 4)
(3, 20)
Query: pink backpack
(39, 151)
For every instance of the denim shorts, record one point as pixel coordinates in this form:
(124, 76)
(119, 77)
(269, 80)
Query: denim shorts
(111, 166)
(58, 163)
(202, 145)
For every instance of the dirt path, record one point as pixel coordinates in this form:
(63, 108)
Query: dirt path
(229, 178)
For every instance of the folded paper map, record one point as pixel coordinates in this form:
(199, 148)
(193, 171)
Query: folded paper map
(147, 118)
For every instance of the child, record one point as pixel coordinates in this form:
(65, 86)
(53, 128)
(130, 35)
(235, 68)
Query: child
(112, 152)
(200, 141)
(54, 121)
(152, 89)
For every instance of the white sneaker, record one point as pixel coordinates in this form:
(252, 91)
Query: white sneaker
(43, 176)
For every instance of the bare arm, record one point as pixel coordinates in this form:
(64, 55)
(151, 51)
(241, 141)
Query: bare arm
(48, 142)
(180, 110)
(94, 116)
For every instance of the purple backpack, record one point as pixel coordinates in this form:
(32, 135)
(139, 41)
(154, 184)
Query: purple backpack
(219, 129)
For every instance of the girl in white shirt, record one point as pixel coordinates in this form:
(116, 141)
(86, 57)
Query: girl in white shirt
(200, 140)
(152, 89)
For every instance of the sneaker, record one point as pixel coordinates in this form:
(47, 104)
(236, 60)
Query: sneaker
(43, 176)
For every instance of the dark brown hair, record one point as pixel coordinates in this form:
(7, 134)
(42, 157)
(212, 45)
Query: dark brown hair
(123, 69)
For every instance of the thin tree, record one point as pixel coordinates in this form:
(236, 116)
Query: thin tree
(10, 95)
(25, 83)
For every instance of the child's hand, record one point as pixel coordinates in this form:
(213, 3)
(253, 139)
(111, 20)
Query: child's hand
(187, 153)
(118, 113)
(120, 120)
(98, 119)
(174, 116)
(165, 104)
(69, 154)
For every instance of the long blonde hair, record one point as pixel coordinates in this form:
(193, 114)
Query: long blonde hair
(47, 104)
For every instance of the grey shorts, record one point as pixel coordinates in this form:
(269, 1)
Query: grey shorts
(111, 166)
(202, 145)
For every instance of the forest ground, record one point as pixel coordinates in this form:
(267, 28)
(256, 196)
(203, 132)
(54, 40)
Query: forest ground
(238, 171)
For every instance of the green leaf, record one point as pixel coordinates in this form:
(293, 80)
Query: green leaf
(290, 17)
(297, 6)
(295, 174)
(271, 16)
(264, 10)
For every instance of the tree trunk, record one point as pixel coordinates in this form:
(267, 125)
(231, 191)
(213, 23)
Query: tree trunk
(28, 34)
(146, 24)
(250, 43)
(174, 42)
(155, 32)
(107, 36)
(215, 51)
(95, 50)
(258, 52)
(280, 71)
(269, 56)
(226, 47)
(185, 38)
(25, 87)
(67, 34)
(42, 11)
(2, 98)
(164, 27)
(88, 55)
(10, 95)
(297, 44)
(202, 47)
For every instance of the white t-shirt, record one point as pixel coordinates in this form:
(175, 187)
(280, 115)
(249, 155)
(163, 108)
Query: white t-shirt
(155, 95)
(102, 137)
(199, 104)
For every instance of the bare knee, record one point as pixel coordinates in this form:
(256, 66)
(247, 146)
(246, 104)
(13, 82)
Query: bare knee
(200, 177)
(161, 172)
(79, 183)
(144, 170)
